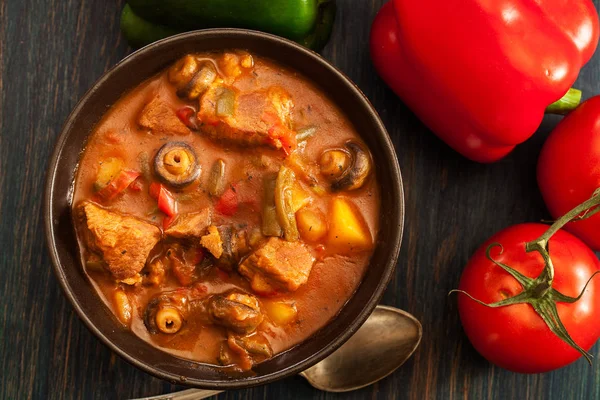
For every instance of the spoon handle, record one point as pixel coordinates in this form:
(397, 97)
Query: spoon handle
(189, 394)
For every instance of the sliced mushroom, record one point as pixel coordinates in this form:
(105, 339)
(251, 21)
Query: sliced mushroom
(176, 164)
(192, 77)
(165, 313)
(245, 351)
(355, 173)
(236, 311)
(168, 320)
(256, 345)
(200, 82)
(229, 247)
(182, 72)
(334, 162)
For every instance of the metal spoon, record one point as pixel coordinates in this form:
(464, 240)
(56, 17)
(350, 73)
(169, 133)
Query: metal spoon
(386, 340)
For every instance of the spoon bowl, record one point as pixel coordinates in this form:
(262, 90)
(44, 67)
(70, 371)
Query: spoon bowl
(386, 340)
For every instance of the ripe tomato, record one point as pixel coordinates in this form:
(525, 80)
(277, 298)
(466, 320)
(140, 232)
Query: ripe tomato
(569, 168)
(515, 337)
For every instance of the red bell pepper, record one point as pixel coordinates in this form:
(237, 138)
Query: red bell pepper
(187, 115)
(481, 73)
(117, 185)
(280, 134)
(166, 202)
(227, 203)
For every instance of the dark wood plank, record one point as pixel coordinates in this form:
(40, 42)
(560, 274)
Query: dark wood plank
(52, 51)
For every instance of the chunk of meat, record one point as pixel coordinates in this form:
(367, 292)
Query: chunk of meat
(212, 242)
(156, 274)
(236, 311)
(278, 265)
(161, 119)
(184, 272)
(123, 241)
(192, 225)
(260, 118)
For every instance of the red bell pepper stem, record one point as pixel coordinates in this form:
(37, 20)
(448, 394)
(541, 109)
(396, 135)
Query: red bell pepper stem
(565, 104)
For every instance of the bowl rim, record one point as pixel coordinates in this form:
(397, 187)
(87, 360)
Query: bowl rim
(326, 348)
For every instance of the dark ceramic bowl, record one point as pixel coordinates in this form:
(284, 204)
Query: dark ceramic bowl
(61, 235)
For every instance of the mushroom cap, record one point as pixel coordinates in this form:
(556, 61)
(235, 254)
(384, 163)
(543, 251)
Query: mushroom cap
(176, 164)
(358, 170)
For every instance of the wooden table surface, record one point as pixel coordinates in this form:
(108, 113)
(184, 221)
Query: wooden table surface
(52, 51)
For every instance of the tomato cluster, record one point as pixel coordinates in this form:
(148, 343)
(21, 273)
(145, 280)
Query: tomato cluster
(524, 303)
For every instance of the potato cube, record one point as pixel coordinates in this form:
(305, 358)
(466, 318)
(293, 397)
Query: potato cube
(311, 224)
(280, 313)
(347, 228)
(107, 171)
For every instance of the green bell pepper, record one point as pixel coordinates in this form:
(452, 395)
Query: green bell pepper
(140, 32)
(308, 22)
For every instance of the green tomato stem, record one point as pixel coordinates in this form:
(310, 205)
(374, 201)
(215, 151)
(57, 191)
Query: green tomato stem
(582, 211)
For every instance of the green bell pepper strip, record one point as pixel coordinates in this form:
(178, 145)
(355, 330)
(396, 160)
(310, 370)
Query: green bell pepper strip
(308, 22)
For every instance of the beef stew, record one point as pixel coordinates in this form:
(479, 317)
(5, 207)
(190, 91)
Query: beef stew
(226, 209)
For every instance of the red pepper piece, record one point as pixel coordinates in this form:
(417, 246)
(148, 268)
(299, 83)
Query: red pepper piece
(280, 134)
(117, 185)
(183, 271)
(166, 202)
(187, 115)
(481, 74)
(136, 186)
(154, 189)
(167, 221)
(286, 139)
(227, 203)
